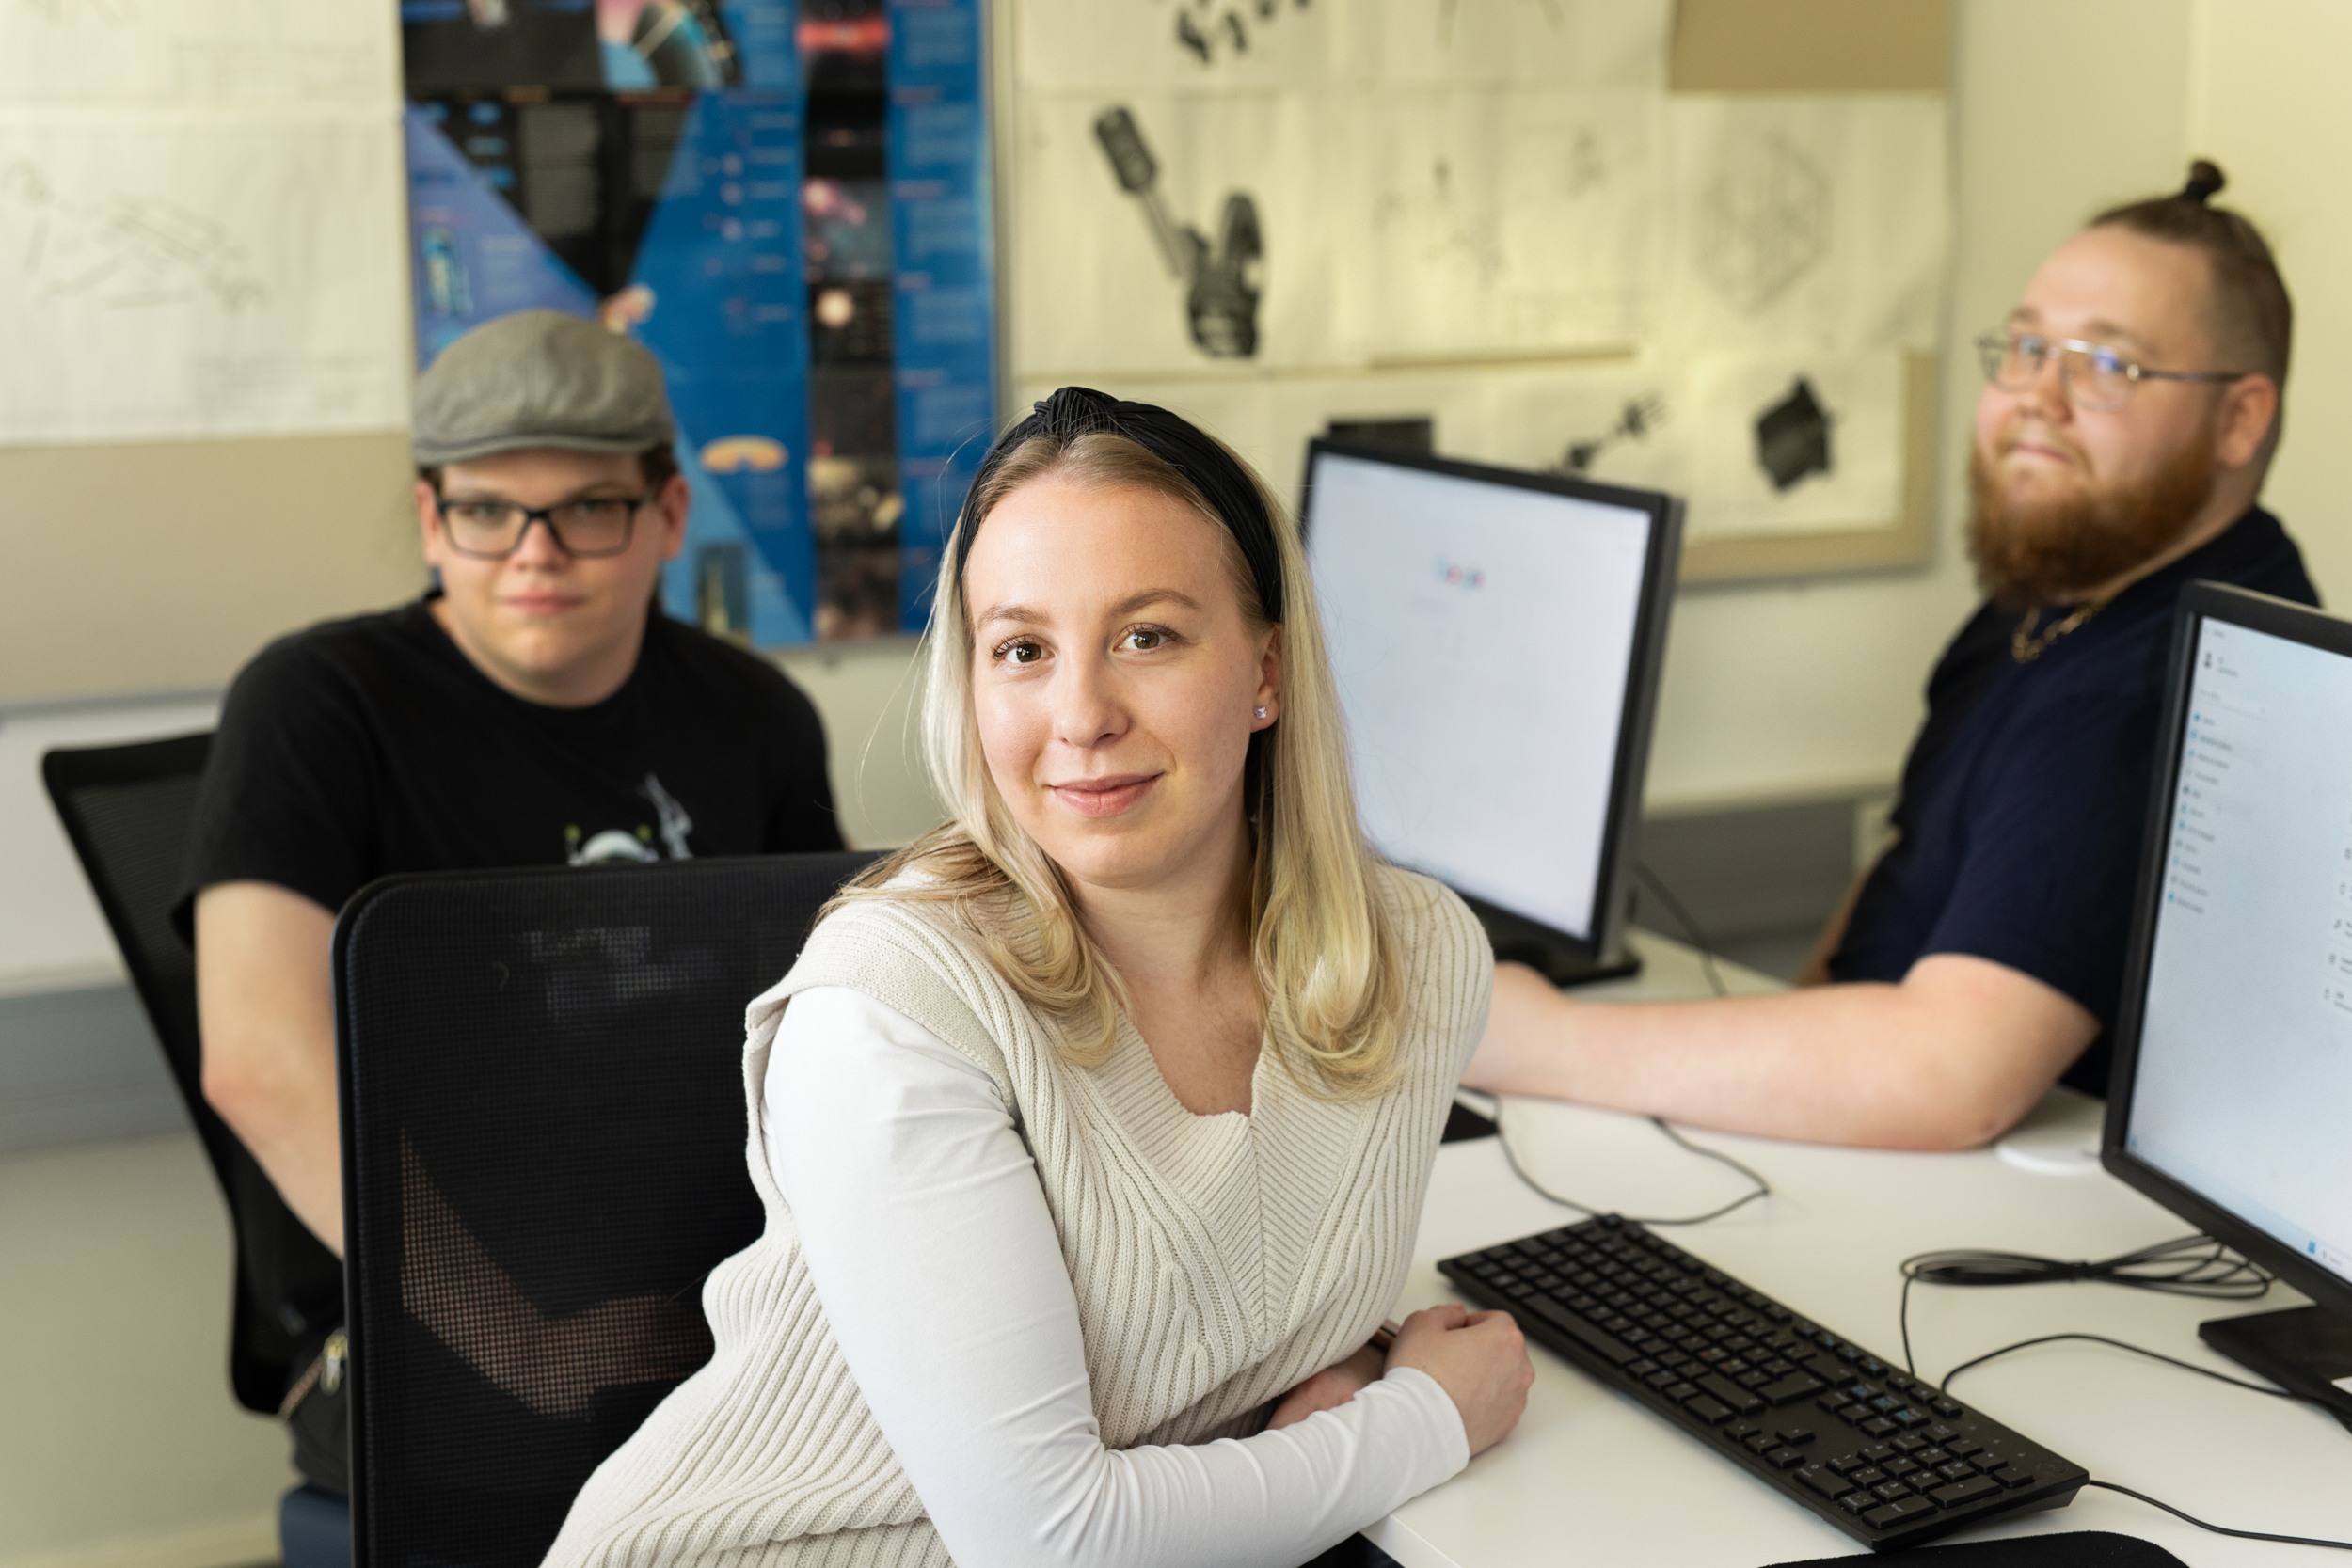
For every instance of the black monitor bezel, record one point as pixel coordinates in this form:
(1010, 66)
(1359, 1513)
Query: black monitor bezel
(1638, 710)
(2201, 602)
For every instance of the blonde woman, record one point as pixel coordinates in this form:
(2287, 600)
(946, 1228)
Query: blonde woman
(1093, 1128)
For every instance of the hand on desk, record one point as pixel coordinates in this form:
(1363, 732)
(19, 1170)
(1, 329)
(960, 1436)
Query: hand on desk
(1479, 1360)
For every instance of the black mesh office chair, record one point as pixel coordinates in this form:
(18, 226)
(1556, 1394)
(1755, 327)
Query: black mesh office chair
(128, 810)
(543, 1157)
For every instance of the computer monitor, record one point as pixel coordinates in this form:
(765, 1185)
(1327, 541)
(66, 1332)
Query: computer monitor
(1495, 637)
(2230, 1103)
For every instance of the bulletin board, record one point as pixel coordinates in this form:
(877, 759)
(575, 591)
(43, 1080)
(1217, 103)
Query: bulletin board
(1700, 248)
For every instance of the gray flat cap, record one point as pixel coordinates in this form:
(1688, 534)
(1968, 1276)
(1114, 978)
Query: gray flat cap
(539, 378)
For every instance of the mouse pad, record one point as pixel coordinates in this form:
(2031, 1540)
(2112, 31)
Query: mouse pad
(2090, 1548)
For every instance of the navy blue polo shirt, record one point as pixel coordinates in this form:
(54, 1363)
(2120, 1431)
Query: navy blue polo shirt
(2025, 794)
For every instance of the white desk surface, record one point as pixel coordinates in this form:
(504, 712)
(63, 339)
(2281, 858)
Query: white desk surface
(1589, 1477)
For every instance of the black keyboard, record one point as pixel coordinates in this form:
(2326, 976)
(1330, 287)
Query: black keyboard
(1885, 1457)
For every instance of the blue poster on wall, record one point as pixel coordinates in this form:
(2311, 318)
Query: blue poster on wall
(811, 266)
(946, 319)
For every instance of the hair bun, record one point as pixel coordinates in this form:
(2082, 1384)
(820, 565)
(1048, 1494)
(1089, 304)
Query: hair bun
(2205, 181)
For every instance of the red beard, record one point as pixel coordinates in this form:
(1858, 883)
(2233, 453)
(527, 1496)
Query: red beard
(2057, 549)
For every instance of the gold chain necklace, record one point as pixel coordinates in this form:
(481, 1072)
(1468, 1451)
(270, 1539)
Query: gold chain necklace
(2025, 645)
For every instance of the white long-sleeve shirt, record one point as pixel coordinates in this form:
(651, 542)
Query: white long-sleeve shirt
(931, 1248)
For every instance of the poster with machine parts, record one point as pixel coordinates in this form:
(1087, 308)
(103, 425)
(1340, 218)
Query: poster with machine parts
(1499, 226)
(792, 214)
(196, 199)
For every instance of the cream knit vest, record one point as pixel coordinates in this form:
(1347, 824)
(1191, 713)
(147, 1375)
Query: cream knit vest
(1218, 1260)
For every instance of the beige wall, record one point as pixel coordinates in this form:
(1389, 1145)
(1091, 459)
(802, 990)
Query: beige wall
(2266, 100)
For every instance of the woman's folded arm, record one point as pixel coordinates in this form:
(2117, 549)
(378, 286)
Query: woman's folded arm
(928, 1239)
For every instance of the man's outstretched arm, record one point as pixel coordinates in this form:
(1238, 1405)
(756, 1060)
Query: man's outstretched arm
(1949, 1058)
(265, 1002)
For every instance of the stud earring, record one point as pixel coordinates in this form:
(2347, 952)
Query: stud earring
(1259, 710)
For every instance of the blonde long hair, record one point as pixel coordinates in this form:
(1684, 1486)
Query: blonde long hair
(1325, 954)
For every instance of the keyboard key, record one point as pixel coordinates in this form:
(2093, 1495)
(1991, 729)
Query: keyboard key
(1955, 1470)
(1706, 1409)
(1795, 1436)
(1877, 1426)
(1795, 1386)
(1762, 1442)
(1870, 1475)
(1896, 1512)
(1789, 1459)
(1821, 1479)
(1887, 1491)
(1909, 1443)
(1845, 1463)
(1879, 1453)
(1961, 1448)
(1956, 1493)
(2009, 1476)
(1731, 1393)
(1608, 1346)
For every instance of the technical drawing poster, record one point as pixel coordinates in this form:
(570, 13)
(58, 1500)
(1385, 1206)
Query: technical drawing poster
(1509, 221)
(198, 219)
(175, 273)
(1822, 221)
(187, 52)
(1159, 231)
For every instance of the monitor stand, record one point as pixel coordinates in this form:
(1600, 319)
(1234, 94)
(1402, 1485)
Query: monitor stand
(1556, 955)
(2306, 1350)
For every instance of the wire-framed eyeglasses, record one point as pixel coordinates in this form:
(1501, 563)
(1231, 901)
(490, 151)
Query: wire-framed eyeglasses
(590, 526)
(2093, 376)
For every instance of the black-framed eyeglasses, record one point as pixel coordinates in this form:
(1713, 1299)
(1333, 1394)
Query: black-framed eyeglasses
(2093, 376)
(588, 526)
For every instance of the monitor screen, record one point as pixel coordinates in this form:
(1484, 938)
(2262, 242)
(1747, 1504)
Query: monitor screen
(2243, 1080)
(1487, 632)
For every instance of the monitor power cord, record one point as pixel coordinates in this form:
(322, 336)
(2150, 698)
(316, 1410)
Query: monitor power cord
(2185, 1266)
(1759, 1187)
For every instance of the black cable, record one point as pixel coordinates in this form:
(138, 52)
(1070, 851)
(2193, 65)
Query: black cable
(1691, 932)
(1761, 1188)
(2183, 1266)
(2192, 1265)
(2150, 1354)
(2223, 1530)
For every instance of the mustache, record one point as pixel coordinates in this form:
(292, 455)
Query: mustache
(2013, 433)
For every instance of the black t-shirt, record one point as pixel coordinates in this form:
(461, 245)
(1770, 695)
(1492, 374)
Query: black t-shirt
(2025, 795)
(366, 747)
(362, 748)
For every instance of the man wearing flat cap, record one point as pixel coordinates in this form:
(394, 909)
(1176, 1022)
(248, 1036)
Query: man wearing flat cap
(534, 707)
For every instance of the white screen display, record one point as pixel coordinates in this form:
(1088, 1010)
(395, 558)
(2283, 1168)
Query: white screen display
(1481, 635)
(2244, 1088)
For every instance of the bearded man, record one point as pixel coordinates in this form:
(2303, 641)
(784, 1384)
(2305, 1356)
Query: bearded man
(2131, 412)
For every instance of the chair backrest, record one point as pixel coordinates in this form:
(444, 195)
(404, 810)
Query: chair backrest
(543, 1158)
(128, 810)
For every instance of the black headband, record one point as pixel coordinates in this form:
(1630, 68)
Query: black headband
(1076, 411)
